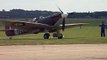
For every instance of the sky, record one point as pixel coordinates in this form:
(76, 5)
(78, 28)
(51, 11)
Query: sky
(51, 5)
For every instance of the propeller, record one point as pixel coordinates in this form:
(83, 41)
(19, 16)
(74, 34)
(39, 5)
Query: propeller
(63, 16)
(60, 10)
(63, 24)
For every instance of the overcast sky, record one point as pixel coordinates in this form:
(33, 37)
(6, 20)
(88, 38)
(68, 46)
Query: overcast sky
(65, 5)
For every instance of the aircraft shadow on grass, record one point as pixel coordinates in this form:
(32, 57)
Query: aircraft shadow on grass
(3, 38)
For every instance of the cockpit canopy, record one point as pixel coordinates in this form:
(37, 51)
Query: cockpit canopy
(36, 19)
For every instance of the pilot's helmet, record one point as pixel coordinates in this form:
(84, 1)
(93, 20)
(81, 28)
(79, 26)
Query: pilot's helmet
(34, 19)
(41, 17)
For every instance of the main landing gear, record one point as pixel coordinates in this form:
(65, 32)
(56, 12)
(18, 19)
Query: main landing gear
(55, 34)
(58, 35)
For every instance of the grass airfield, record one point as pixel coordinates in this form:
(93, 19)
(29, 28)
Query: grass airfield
(89, 34)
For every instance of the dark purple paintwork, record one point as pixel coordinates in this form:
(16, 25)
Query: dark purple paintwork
(51, 20)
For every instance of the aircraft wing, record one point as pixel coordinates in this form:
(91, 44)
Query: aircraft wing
(23, 25)
(73, 25)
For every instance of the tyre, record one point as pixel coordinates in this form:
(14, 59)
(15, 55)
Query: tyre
(55, 34)
(46, 36)
(60, 36)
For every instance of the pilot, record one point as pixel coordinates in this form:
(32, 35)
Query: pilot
(103, 27)
(35, 19)
(41, 17)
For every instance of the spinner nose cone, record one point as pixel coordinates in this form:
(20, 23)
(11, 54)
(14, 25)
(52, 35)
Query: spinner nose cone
(64, 15)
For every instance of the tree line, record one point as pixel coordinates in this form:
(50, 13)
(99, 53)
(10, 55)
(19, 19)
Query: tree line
(20, 13)
(99, 14)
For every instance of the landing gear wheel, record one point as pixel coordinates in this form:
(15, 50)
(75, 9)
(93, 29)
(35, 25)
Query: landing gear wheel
(46, 36)
(60, 36)
(55, 34)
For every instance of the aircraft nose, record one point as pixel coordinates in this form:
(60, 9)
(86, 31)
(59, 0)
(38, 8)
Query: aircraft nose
(64, 15)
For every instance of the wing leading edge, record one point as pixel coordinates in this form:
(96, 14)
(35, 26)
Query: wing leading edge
(24, 25)
(73, 25)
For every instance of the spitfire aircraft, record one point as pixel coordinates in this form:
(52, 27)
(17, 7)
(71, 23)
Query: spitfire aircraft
(50, 24)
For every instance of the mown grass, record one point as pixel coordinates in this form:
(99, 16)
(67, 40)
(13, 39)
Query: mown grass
(89, 34)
